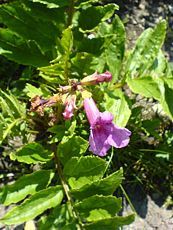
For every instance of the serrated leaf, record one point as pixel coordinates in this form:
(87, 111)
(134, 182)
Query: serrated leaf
(32, 91)
(85, 166)
(32, 153)
(145, 86)
(19, 18)
(52, 3)
(57, 219)
(9, 127)
(87, 63)
(110, 223)
(146, 50)
(160, 67)
(114, 45)
(116, 103)
(26, 185)
(23, 44)
(16, 107)
(166, 100)
(98, 214)
(34, 206)
(111, 204)
(82, 3)
(104, 186)
(67, 40)
(20, 51)
(89, 18)
(84, 170)
(70, 147)
(52, 73)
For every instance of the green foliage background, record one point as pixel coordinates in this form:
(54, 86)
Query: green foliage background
(51, 42)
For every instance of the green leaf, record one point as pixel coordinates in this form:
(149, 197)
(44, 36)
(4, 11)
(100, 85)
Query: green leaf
(86, 63)
(160, 67)
(26, 185)
(53, 3)
(104, 186)
(32, 91)
(32, 153)
(57, 219)
(53, 73)
(85, 166)
(34, 206)
(9, 127)
(18, 50)
(114, 45)
(158, 88)
(89, 18)
(145, 86)
(23, 44)
(111, 204)
(146, 50)
(166, 100)
(67, 40)
(110, 223)
(16, 107)
(19, 19)
(82, 3)
(98, 214)
(116, 103)
(70, 147)
(84, 170)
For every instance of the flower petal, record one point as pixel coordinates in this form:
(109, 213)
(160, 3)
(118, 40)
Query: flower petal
(106, 117)
(119, 137)
(98, 142)
(91, 110)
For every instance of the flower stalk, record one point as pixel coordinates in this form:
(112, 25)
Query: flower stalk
(65, 186)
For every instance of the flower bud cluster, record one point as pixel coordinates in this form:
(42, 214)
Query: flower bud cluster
(67, 95)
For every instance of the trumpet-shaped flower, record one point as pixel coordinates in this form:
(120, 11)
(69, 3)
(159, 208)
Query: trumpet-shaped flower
(103, 132)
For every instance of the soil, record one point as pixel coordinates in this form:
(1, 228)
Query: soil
(142, 14)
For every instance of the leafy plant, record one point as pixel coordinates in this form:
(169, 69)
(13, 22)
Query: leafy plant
(64, 43)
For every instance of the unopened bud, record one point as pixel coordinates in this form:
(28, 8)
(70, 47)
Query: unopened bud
(97, 78)
(70, 105)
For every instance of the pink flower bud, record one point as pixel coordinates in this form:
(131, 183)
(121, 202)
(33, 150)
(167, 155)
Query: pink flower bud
(69, 107)
(96, 78)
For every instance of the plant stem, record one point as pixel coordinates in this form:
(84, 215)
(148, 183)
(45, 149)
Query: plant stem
(65, 186)
(128, 199)
(109, 162)
(70, 12)
(121, 187)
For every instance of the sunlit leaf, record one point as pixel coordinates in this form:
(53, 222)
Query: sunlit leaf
(34, 206)
(70, 147)
(32, 153)
(110, 223)
(26, 185)
(146, 50)
(104, 186)
(116, 103)
(53, 3)
(111, 204)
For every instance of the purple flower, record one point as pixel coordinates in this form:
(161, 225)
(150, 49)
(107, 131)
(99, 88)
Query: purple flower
(97, 78)
(103, 132)
(69, 107)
